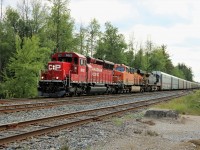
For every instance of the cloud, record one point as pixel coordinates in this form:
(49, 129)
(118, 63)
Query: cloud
(168, 7)
(102, 10)
(181, 38)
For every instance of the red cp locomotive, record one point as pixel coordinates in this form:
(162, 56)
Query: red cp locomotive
(71, 73)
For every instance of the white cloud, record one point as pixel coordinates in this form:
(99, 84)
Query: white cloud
(102, 10)
(169, 7)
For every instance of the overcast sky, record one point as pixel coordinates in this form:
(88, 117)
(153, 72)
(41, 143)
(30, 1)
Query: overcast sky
(175, 23)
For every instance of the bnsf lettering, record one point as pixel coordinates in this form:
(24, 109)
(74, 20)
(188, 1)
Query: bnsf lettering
(54, 67)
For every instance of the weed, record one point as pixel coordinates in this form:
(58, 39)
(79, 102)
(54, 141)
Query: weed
(189, 104)
(151, 133)
(118, 121)
(65, 147)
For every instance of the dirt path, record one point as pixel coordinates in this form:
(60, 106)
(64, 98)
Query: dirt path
(155, 134)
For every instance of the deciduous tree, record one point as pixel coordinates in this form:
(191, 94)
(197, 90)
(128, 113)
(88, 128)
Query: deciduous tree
(22, 73)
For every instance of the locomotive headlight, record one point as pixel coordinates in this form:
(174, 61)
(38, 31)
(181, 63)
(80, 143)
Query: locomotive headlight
(42, 77)
(57, 78)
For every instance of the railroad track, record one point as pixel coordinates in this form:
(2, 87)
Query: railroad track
(42, 99)
(75, 119)
(86, 100)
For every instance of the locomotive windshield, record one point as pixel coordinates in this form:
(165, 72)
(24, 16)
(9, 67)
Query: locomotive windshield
(65, 59)
(120, 68)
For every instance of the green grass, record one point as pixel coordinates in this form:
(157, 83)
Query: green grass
(118, 121)
(189, 104)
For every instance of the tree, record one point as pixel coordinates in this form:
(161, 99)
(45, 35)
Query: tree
(8, 28)
(38, 16)
(93, 35)
(111, 45)
(81, 37)
(22, 72)
(24, 22)
(168, 62)
(157, 60)
(148, 50)
(178, 73)
(140, 61)
(130, 54)
(60, 26)
(187, 71)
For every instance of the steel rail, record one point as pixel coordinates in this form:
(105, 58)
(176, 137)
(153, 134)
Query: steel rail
(23, 136)
(34, 106)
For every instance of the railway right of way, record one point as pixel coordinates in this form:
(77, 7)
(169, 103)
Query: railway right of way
(84, 117)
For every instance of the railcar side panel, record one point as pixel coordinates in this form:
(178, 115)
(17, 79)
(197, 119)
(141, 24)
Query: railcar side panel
(175, 83)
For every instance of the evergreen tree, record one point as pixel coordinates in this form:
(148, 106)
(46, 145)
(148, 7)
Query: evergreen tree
(140, 61)
(187, 71)
(168, 62)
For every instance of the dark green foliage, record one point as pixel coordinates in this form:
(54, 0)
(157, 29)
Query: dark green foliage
(112, 45)
(140, 61)
(178, 73)
(187, 71)
(157, 60)
(129, 58)
(22, 73)
(7, 37)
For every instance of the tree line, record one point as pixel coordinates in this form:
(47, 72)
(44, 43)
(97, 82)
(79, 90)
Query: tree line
(30, 33)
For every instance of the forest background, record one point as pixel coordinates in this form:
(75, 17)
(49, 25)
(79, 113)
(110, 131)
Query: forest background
(32, 32)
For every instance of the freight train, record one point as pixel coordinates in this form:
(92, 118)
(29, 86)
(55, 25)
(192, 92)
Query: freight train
(70, 73)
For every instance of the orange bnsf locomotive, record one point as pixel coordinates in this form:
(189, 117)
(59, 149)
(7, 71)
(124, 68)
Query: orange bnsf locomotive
(70, 73)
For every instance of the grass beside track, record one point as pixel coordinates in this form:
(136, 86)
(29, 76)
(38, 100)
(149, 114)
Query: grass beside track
(189, 104)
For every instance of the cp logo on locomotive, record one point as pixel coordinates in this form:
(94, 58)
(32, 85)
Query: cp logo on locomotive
(54, 67)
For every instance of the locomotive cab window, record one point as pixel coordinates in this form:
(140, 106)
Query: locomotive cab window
(65, 59)
(53, 59)
(120, 68)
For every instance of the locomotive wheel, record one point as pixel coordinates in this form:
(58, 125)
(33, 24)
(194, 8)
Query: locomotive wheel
(79, 94)
(71, 94)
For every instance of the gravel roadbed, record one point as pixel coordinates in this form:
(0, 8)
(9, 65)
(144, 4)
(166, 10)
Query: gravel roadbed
(131, 131)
